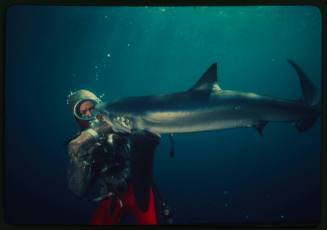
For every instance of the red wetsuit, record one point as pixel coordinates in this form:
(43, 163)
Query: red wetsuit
(110, 212)
(140, 198)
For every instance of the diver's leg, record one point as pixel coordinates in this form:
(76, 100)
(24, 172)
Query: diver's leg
(149, 216)
(108, 212)
(142, 217)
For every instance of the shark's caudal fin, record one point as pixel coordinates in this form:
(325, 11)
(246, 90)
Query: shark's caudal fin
(206, 84)
(310, 97)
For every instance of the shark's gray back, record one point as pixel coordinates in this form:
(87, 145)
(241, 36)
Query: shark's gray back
(205, 106)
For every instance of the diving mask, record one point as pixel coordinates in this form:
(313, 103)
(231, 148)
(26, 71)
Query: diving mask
(85, 110)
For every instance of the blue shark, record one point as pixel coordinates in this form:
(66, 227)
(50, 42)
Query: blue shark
(206, 106)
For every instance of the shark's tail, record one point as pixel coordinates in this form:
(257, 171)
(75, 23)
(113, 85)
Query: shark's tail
(310, 97)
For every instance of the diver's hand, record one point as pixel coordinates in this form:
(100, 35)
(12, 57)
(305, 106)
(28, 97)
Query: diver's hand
(103, 129)
(86, 142)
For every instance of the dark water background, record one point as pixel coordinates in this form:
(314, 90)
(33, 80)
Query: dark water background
(231, 176)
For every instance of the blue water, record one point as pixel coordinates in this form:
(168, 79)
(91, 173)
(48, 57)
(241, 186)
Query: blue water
(230, 176)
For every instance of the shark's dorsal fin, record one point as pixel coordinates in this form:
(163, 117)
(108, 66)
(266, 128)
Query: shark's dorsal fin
(208, 82)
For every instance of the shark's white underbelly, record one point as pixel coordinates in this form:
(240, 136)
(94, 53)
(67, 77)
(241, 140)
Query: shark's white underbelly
(216, 125)
(195, 121)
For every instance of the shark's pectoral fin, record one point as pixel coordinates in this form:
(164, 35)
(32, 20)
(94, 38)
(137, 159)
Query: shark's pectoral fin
(206, 84)
(260, 127)
(305, 124)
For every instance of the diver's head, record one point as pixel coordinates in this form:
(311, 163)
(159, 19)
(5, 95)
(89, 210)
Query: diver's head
(85, 109)
(82, 103)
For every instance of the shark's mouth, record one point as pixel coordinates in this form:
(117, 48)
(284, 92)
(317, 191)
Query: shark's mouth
(121, 123)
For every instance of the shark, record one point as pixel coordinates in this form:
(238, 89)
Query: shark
(206, 107)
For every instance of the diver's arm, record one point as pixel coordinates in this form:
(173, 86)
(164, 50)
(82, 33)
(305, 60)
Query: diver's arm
(80, 164)
(81, 171)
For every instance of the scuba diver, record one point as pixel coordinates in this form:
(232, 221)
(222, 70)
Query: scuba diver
(112, 168)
